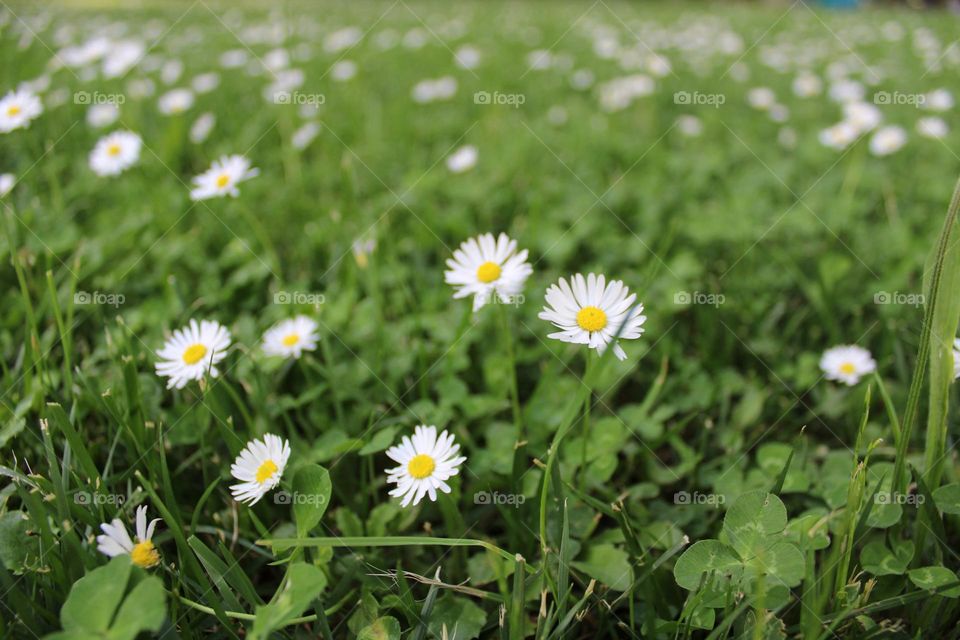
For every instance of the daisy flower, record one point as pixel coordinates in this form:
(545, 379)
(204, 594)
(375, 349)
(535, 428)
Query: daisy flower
(887, 140)
(595, 313)
(932, 127)
(463, 159)
(115, 153)
(7, 180)
(426, 462)
(291, 337)
(222, 178)
(839, 136)
(102, 115)
(115, 541)
(175, 101)
(17, 109)
(483, 266)
(259, 468)
(192, 353)
(847, 364)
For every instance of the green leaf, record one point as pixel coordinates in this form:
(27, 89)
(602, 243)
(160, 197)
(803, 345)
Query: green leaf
(303, 584)
(932, 577)
(383, 628)
(782, 561)
(752, 517)
(16, 546)
(143, 610)
(607, 564)
(947, 498)
(95, 597)
(380, 441)
(703, 557)
(879, 560)
(462, 618)
(311, 495)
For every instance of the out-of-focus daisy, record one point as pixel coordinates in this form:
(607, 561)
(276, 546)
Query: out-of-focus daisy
(432, 90)
(115, 541)
(201, 127)
(839, 136)
(303, 136)
(7, 180)
(938, 100)
(807, 85)
(485, 267)
(862, 115)
(192, 352)
(259, 468)
(205, 82)
(689, 125)
(932, 127)
(761, 98)
(593, 312)
(361, 251)
(222, 178)
(175, 101)
(115, 153)
(845, 90)
(779, 113)
(426, 463)
(467, 57)
(17, 109)
(290, 338)
(887, 140)
(102, 115)
(171, 71)
(463, 159)
(847, 364)
(343, 70)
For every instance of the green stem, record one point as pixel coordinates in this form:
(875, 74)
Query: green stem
(238, 615)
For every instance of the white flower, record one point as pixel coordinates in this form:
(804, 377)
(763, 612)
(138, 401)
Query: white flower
(102, 115)
(175, 101)
(7, 180)
(430, 90)
(847, 364)
(689, 126)
(17, 109)
(844, 90)
(938, 100)
(303, 136)
(192, 352)
(887, 140)
(932, 127)
(343, 70)
(956, 358)
(205, 82)
(426, 463)
(589, 311)
(115, 153)
(862, 115)
(467, 57)
(122, 57)
(259, 468)
(222, 178)
(489, 269)
(115, 541)
(779, 113)
(761, 98)
(839, 136)
(201, 127)
(291, 337)
(463, 159)
(807, 85)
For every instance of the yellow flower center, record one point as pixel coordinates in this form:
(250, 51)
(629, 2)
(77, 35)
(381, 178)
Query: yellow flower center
(144, 555)
(488, 272)
(113, 150)
(291, 340)
(421, 466)
(266, 471)
(591, 319)
(223, 180)
(848, 368)
(194, 353)
(13, 110)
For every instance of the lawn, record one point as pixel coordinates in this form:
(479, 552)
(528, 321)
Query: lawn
(701, 387)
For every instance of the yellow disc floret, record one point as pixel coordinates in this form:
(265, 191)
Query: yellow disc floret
(848, 368)
(222, 180)
(144, 555)
(266, 471)
(488, 272)
(291, 340)
(421, 466)
(591, 319)
(194, 353)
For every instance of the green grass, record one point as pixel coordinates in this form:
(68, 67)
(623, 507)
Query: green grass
(713, 485)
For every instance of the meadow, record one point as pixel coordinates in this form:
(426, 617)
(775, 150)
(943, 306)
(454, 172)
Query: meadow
(264, 374)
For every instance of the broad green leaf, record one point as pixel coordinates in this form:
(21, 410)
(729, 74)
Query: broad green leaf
(703, 557)
(383, 628)
(879, 560)
(463, 619)
(16, 547)
(303, 584)
(143, 610)
(932, 577)
(95, 597)
(380, 441)
(947, 498)
(311, 495)
(752, 517)
(782, 561)
(608, 565)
